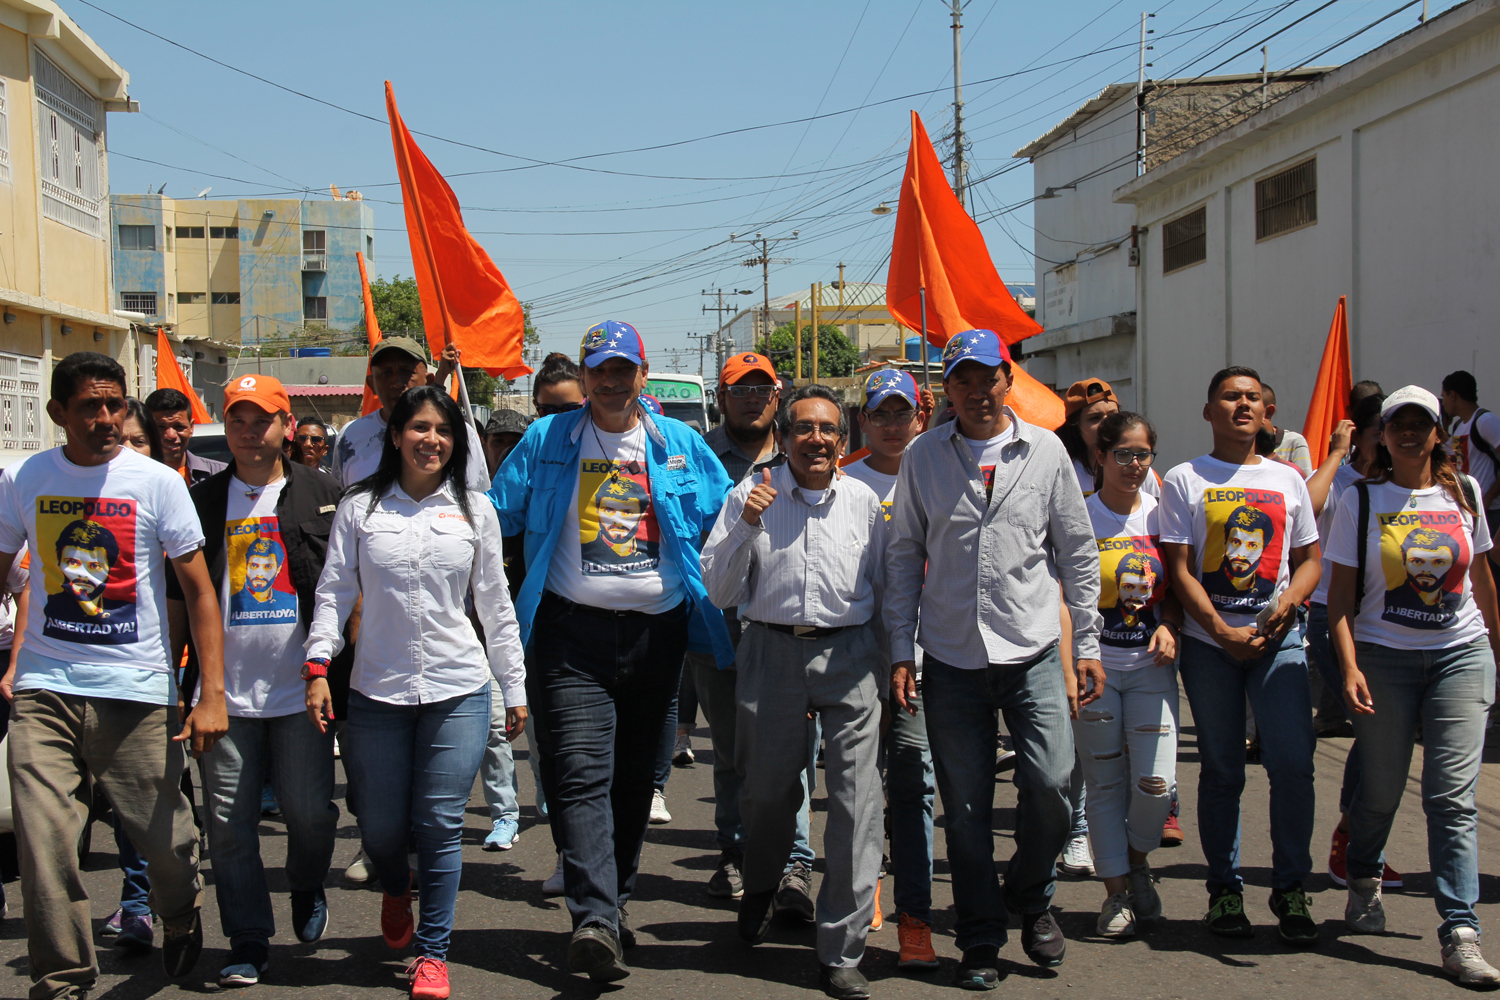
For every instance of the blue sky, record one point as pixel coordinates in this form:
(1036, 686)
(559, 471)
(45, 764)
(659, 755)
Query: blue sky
(637, 235)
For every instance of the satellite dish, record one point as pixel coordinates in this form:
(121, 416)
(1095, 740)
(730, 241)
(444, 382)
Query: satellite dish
(203, 193)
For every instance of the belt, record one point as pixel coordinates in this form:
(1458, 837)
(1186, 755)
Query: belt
(589, 609)
(802, 631)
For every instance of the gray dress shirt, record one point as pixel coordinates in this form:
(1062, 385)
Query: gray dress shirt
(739, 465)
(985, 574)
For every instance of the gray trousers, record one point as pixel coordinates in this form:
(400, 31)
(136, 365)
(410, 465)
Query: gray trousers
(781, 679)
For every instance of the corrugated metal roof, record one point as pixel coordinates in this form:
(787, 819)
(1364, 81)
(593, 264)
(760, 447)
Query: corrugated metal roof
(856, 293)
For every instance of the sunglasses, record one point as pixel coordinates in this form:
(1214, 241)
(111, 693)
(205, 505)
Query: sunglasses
(548, 409)
(1124, 456)
(744, 391)
(312, 438)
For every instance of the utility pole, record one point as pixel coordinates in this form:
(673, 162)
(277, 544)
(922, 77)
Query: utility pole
(703, 339)
(720, 310)
(958, 102)
(1140, 99)
(764, 262)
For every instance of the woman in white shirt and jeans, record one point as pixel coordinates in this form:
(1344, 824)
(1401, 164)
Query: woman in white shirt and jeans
(415, 542)
(1412, 612)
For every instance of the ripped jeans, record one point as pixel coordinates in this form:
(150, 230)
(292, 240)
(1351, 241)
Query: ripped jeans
(1127, 742)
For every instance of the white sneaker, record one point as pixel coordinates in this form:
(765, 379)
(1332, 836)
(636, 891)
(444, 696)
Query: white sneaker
(554, 884)
(659, 812)
(359, 869)
(1145, 901)
(1076, 859)
(1463, 961)
(1364, 912)
(337, 752)
(682, 752)
(1116, 918)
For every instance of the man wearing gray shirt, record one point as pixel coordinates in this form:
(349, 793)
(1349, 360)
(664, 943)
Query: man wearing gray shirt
(803, 556)
(990, 503)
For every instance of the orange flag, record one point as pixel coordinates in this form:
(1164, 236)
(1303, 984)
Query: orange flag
(465, 299)
(1330, 398)
(372, 332)
(939, 248)
(169, 376)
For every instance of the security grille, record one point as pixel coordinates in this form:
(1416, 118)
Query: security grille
(1287, 201)
(1184, 241)
(68, 129)
(20, 402)
(141, 302)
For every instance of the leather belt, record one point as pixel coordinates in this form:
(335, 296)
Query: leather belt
(802, 631)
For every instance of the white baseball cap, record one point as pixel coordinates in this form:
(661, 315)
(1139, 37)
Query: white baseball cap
(1411, 395)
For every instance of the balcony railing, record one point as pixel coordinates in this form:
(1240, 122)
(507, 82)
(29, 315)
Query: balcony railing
(314, 260)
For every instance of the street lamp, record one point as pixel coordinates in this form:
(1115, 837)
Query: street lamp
(881, 209)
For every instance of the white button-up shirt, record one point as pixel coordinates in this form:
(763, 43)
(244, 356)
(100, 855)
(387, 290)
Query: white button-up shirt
(818, 564)
(415, 562)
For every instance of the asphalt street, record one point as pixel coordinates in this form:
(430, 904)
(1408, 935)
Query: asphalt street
(509, 941)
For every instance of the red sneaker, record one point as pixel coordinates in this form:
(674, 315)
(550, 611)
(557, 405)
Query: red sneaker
(1336, 853)
(1171, 833)
(1391, 879)
(396, 923)
(428, 978)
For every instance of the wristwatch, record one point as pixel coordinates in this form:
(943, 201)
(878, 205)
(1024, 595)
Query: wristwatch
(314, 668)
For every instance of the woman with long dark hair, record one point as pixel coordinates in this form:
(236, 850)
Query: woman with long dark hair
(141, 434)
(1413, 616)
(556, 387)
(414, 541)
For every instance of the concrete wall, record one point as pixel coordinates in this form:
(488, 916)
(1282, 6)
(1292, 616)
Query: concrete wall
(349, 227)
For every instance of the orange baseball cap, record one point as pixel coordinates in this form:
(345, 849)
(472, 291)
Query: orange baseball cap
(740, 365)
(264, 391)
(1087, 392)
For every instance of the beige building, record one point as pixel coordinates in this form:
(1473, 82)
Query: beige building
(56, 289)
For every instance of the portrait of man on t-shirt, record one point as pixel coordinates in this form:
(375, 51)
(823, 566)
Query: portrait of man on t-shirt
(1238, 582)
(617, 533)
(1423, 599)
(259, 600)
(85, 552)
(1136, 577)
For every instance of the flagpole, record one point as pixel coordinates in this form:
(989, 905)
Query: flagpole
(926, 375)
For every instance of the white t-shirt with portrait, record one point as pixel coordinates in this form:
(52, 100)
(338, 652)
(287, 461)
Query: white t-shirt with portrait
(610, 552)
(1418, 551)
(885, 488)
(1132, 581)
(1243, 522)
(1473, 460)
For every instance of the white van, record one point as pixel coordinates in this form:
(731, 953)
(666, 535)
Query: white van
(683, 397)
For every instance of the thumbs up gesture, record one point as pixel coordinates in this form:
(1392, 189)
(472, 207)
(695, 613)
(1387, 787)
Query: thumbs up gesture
(759, 499)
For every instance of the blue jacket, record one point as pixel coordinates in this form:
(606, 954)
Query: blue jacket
(533, 489)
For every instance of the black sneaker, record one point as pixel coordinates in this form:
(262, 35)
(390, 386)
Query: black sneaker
(1294, 911)
(626, 935)
(1226, 915)
(595, 952)
(979, 969)
(181, 946)
(756, 911)
(794, 895)
(727, 883)
(1042, 940)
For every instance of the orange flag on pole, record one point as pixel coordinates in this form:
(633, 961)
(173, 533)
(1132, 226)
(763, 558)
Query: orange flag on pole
(938, 248)
(169, 376)
(372, 332)
(465, 298)
(1330, 398)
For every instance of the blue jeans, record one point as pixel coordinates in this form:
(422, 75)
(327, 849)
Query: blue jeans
(423, 759)
(1449, 691)
(289, 749)
(1279, 693)
(910, 787)
(665, 745)
(601, 683)
(1320, 649)
(135, 888)
(961, 729)
(498, 772)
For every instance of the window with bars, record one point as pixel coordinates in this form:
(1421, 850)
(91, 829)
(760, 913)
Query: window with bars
(226, 298)
(4, 134)
(223, 232)
(315, 307)
(140, 302)
(137, 237)
(68, 126)
(1184, 241)
(190, 232)
(1287, 201)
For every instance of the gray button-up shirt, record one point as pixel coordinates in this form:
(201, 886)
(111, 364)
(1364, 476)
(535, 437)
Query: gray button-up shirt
(739, 465)
(985, 574)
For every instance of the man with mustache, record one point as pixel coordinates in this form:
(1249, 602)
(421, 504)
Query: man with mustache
(85, 551)
(1247, 534)
(1427, 555)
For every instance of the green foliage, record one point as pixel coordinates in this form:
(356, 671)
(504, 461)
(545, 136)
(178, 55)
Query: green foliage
(837, 357)
(398, 307)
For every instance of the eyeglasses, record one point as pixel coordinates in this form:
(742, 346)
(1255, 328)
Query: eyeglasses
(745, 391)
(312, 439)
(548, 409)
(1124, 456)
(804, 428)
(890, 418)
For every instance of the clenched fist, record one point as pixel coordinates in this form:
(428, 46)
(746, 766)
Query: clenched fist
(759, 499)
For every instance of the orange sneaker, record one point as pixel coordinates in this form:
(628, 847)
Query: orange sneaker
(396, 923)
(1336, 852)
(916, 944)
(428, 978)
(877, 921)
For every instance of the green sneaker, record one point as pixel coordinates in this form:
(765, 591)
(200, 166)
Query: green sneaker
(1294, 910)
(1226, 915)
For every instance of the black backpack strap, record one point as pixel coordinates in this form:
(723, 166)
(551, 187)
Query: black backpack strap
(1364, 535)
(1467, 485)
(1476, 439)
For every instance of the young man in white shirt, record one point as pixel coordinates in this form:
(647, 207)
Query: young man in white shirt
(267, 521)
(1476, 438)
(91, 689)
(1241, 539)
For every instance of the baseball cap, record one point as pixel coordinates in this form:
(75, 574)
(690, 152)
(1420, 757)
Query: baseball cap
(740, 365)
(506, 422)
(882, 385)
(983, 346)
(1411, 395)
(403, 344)
(1087, 392)
(264, 391)
(653, 404)
(611, 339)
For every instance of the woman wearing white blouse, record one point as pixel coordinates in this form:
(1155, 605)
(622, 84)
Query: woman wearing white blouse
(414, 542)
